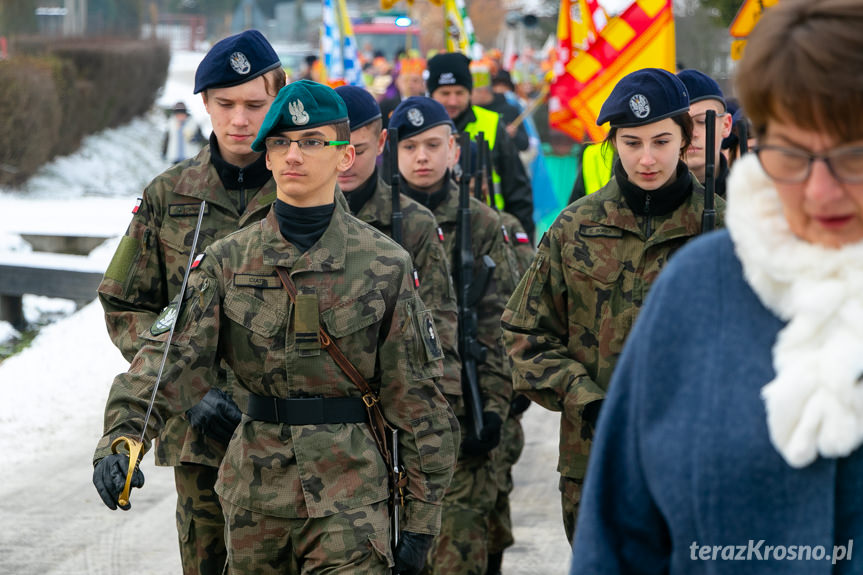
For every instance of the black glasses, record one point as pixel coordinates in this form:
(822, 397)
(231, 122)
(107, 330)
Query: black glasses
(306, 145)
(793, 165)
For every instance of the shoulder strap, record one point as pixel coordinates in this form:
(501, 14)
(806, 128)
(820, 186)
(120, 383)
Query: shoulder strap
(378, 424)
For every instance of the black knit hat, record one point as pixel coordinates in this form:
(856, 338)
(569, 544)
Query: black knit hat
(449, 69)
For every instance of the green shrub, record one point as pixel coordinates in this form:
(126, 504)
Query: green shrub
(53, 92)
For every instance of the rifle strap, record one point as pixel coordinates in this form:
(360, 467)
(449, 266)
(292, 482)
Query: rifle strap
(378, 425)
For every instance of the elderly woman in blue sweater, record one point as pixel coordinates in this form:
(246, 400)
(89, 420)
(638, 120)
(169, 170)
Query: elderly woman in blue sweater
(730, 439)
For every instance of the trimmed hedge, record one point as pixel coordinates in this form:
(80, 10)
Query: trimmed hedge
(55, 92)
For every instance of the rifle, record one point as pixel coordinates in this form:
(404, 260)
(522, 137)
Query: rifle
(485, 150)
(708, 217)
(743, 135)
(469, 290)
(480, 168)
(393, 142)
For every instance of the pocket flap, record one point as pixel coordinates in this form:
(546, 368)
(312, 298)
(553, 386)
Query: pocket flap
(354, 315)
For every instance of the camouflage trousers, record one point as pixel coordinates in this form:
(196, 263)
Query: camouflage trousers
(506, 455)
(570, 497)
(355, 542)
(463, 544)
(200, 521)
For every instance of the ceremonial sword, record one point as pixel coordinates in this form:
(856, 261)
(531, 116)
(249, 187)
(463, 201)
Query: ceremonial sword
(135, 446)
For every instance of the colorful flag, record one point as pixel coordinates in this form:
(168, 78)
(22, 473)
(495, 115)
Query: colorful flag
(640, 37)
(458, 30)
(339, 47)
(745, 20)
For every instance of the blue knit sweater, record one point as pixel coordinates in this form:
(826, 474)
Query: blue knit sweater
(683, 477)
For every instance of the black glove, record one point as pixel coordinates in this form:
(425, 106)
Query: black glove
(109, 477)
(518, 405)
(491, 423)
(411, 552)
(216, 416)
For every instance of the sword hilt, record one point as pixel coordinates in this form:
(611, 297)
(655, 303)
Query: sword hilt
(134, 447)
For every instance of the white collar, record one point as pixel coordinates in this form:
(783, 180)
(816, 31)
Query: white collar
(815, 403)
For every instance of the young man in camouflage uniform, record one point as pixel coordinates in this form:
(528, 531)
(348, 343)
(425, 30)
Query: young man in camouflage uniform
(303, 485)
(567, 321)
(512, 434)
(238, 80)
(425, 148)
(370, 199)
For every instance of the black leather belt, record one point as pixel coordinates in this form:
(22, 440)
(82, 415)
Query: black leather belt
(307, 410)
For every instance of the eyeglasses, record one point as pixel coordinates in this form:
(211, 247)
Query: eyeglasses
(306, 145)
(793, 166)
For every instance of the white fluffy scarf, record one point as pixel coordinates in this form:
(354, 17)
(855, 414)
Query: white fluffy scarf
(815, 403)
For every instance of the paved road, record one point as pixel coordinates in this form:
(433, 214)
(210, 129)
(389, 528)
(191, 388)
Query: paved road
(53, 522)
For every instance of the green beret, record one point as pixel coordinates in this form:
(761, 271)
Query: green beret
(301, 105)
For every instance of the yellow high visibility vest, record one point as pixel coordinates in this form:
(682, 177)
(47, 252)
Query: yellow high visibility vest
(596, 166)
(486, 122)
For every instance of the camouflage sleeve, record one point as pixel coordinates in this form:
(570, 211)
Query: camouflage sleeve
(495, 375)
(437, 292)
(428, 430)
(188, 367)
(132, 292)
(535, 333)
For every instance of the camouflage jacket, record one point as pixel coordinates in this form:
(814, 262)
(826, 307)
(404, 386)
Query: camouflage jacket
(358, 284)
(521, 246)
(566, 323)
(422, 242)
(147, 271)
(488, 238)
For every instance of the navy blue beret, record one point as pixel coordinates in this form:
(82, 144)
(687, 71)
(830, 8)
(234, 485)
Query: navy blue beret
(643, 97)
(363, 109)
(418, 114)
(303, 104)
(236, 60)
(700, 86)
(449, 69)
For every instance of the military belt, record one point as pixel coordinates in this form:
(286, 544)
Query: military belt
(307, 410)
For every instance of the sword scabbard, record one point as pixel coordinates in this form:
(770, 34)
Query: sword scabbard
(134, 447)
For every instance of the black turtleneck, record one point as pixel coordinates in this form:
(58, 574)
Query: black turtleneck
(358, 198)
(429, 200)
(234, 177)
(303, 226)
(657, 202)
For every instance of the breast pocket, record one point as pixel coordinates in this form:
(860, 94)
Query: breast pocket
(354, 326)
(598, 299)
(258, 329)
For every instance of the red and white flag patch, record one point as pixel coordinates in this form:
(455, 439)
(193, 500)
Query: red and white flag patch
(522, 238)
(439, 233)
(505, 234)
(416, 280)
(137, 205)
(198, 259)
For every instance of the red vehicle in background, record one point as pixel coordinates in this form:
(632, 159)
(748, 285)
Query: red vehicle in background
(387, 35)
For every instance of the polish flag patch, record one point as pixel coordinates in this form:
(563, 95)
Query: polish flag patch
(505, 234)
(416, 280)
(198, 260)
(522, 238)
(439, 233)
(137, 205)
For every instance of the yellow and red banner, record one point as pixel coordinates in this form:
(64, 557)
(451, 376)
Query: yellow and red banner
(747, 16)
(642, 36)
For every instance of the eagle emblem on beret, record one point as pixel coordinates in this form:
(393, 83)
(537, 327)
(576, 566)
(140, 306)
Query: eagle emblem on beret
(415, 117)
(299, 116)
(640, 106)
(240, 63)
